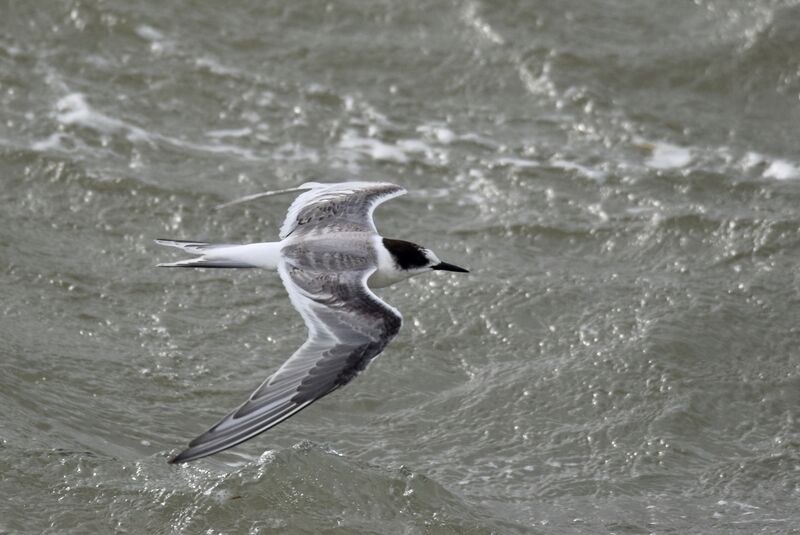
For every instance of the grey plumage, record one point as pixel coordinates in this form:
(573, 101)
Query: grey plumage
(329, 251)
(346, 209)
(327, 255)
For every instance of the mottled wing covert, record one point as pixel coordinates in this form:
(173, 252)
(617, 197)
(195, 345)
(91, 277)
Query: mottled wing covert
(347, 206)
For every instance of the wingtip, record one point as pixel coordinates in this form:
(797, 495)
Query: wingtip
(303, 187)
(179, 458)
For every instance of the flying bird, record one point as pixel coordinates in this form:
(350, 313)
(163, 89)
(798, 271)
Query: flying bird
(329, 258)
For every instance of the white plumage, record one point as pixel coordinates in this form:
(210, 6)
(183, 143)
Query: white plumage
(329, 256)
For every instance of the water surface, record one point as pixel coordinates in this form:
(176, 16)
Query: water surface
(621, 177)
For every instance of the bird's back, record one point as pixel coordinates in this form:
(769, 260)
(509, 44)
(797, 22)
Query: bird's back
(331, 251)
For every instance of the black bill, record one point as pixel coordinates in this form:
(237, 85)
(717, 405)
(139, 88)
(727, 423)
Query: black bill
(444, 266)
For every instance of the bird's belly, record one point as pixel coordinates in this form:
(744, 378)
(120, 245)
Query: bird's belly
(382, 278)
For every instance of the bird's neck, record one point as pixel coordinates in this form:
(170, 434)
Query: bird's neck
(388, 271)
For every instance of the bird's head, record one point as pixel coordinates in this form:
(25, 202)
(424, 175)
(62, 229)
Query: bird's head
(415, 259)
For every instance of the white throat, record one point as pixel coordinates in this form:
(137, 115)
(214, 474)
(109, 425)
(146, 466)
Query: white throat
(388, 272)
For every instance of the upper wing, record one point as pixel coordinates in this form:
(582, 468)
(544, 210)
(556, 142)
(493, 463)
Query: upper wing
(348, 326)
(348, 205)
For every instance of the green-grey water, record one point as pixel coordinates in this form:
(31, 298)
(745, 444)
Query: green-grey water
(621, 177)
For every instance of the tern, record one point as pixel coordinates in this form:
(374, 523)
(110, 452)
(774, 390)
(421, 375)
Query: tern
(329, 258)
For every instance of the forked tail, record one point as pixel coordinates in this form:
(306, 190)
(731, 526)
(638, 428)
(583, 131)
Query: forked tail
(225, 255)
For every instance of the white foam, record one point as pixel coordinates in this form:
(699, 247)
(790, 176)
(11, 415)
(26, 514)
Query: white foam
(480, 140)
(215, 66)
(370, 113)
(597, 209)
(294, 152)
(414, 145)
(471, 17)
(668, 156)
(378, 150)
(239, 132)
(751, 159)
(517, 162)
(779, 168)
(374, 148)
(73, 109)
(53, 142)
(444, 135)
(782, 170)
(524, 163)
(148, 33)
(588, 172)
(439, 133)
